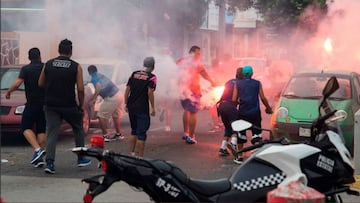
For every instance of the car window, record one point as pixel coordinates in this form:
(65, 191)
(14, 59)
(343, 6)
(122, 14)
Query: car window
(311, 87)
(8, 77)
(344, 91)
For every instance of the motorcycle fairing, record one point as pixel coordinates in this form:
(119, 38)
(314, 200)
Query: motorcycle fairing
(328, 169)
(287, 159)
(160, 179)
(335, 139)
(251, 181)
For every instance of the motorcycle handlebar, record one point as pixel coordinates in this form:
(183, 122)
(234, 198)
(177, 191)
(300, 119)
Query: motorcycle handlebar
(326, 116)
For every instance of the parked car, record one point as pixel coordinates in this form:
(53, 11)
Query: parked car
(297, 105)
(12, 109)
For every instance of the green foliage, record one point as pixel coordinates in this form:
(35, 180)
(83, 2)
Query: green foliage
(284, 14)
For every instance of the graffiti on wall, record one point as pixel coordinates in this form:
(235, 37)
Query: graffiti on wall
(9, 51)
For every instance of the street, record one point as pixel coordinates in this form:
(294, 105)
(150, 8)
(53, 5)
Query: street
(20, 182)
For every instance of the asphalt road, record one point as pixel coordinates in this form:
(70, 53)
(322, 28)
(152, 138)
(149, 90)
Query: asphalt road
(20, 182)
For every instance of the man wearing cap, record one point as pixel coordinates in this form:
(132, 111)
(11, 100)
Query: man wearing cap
(248, 92)
(138, 94)
(110, 107)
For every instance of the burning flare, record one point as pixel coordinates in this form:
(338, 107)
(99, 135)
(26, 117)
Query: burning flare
(328, 45)
(217, 92)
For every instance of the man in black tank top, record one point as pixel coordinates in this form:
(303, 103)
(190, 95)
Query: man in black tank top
(59, 78)
(33, 112)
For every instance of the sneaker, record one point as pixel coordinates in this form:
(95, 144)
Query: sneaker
(190, 140)
(120, 136)
(83, 162)
(239, 160)
(50, 168)
(184, 136)
(107, 138)
(39, 163)
(37, 155)
(256, 139)
(167, 128)
(232, 148)
(223, 152)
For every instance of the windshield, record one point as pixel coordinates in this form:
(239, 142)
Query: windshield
(310, 87)
(8, 77)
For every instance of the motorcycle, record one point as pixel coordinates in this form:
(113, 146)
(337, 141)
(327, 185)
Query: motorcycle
(323, 163)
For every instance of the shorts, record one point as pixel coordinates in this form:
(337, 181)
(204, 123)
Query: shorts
(228, 114)
(33, 116)
(255, 120)
(111, 107)
(192, 105)
(139, 123)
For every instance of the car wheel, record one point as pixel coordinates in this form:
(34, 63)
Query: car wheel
(86, 123)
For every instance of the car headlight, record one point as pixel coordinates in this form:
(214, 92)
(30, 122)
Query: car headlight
(19, 109)
(282, 112)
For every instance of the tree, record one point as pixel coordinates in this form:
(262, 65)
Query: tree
(283, 15)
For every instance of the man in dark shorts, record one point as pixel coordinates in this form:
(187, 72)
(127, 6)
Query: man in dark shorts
(248, 92)
(139, 92)
(33, 112)
(227, 109)
(191, 94)
(60, 77)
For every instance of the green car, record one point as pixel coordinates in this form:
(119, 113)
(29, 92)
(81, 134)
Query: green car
(298, 104)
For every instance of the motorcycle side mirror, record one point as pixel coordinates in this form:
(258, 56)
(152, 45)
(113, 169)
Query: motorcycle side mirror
(331, 86)
(240, 125)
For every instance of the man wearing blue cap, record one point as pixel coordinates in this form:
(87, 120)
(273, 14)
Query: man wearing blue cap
(248, 91)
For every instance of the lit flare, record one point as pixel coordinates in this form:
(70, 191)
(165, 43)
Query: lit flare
(328, 45)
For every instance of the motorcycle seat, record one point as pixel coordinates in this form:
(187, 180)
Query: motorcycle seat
(209, 187)
(205, 187)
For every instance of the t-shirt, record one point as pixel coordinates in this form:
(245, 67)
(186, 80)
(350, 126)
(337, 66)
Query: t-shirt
(190, 78)
(30, 74)
(108, 88)
(248, 92)
(139, 82)
(60, 74)
(229, 89)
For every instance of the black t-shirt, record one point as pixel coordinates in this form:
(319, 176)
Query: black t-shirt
(30, 74)
(60, 74)
(139, 83)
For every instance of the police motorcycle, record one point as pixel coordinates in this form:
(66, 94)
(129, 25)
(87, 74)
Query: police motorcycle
(323, 164)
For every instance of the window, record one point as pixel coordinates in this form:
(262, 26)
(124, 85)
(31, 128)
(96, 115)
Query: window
(8, 76)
